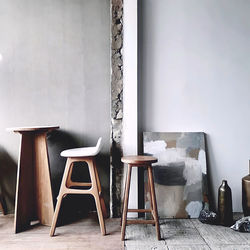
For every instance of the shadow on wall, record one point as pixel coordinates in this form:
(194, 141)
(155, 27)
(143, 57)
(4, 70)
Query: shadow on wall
(73, 206)
(8, 170)
(211, 197)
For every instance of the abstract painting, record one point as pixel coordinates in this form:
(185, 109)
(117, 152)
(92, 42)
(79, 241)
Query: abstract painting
(180, 174)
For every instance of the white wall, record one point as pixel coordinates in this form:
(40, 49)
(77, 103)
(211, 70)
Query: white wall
(195, 76)
(55, 69)
(55, 66)
(130, 109)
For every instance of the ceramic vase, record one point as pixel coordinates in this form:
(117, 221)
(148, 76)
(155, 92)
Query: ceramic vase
(246, 194)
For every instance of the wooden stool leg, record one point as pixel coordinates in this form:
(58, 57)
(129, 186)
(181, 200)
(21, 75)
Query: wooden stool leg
(125, 204)
(150, 194)
(61, 195)
(122, 202)
(68, 181)
(157, 227)
(96, 195)
(55, 217)
(104, 210)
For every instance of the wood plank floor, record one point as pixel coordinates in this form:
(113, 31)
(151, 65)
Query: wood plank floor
(85, 234)
(185, 234)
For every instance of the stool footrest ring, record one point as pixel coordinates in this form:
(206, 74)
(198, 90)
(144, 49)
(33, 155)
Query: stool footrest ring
(140, 222)
(140, 210)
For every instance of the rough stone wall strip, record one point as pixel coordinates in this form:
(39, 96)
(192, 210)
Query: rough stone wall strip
(116, 171)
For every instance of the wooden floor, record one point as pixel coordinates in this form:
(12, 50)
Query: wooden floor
(85, 234)
(185, 234)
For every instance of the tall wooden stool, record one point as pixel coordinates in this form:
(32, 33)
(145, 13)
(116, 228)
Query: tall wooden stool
(140, 161)
(85, 155)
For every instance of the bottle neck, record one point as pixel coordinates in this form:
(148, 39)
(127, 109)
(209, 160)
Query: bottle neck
(224, 183)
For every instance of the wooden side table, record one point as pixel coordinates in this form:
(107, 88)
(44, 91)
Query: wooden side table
(140, 161)
(33, 190)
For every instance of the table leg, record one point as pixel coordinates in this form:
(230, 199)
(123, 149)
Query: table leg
(25, 203)
(33, 191)
(44, 200)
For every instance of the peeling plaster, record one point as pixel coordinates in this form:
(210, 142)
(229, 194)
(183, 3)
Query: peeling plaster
(116, 171)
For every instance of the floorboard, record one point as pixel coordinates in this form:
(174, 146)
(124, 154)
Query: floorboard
(83, 234)
(186, 234)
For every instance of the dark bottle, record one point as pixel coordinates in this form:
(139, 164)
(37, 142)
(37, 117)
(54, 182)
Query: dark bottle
(246, 194)
(225, 209)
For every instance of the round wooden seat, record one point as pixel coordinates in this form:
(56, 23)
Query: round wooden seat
(139, 160)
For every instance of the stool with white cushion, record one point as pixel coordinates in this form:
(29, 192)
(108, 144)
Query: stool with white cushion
(86, 154)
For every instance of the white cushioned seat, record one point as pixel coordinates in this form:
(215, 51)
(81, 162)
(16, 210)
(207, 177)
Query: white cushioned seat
(83, 152)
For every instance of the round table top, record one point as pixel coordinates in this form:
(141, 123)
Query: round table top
(33, 128)
(139, 159)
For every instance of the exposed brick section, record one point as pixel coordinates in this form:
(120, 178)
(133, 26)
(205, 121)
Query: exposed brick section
(116, 171)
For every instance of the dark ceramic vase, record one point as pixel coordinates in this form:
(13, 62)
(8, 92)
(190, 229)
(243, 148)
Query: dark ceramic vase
(246, 194)
(225, 208)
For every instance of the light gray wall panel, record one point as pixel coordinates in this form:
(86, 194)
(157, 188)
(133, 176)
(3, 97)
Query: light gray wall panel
(194, 76)
(55, 69)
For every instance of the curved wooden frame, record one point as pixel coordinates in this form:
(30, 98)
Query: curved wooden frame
(94, 189)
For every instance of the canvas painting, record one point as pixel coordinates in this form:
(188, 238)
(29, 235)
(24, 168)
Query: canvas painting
(180, 174)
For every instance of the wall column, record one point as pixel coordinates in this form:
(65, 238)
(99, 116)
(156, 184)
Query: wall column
(130, 96)
(124, 111)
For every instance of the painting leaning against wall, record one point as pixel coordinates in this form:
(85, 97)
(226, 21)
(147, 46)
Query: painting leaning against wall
(180, 174)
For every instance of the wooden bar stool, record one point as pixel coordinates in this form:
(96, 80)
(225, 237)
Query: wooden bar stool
(85, 155)
(140, 161)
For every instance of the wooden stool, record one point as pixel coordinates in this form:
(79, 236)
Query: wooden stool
(140, 161)
(85, 155)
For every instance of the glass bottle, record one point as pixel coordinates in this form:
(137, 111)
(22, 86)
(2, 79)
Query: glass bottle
(225, 208)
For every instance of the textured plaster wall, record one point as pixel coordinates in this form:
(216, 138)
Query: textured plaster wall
(54, 69)
(116, 173)
(194, 76)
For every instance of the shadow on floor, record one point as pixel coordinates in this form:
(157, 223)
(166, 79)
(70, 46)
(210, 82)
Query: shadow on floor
(8, 170)
(74, 207)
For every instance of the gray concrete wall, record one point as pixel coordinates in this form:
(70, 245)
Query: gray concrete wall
(54, 69)
(195, 71)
